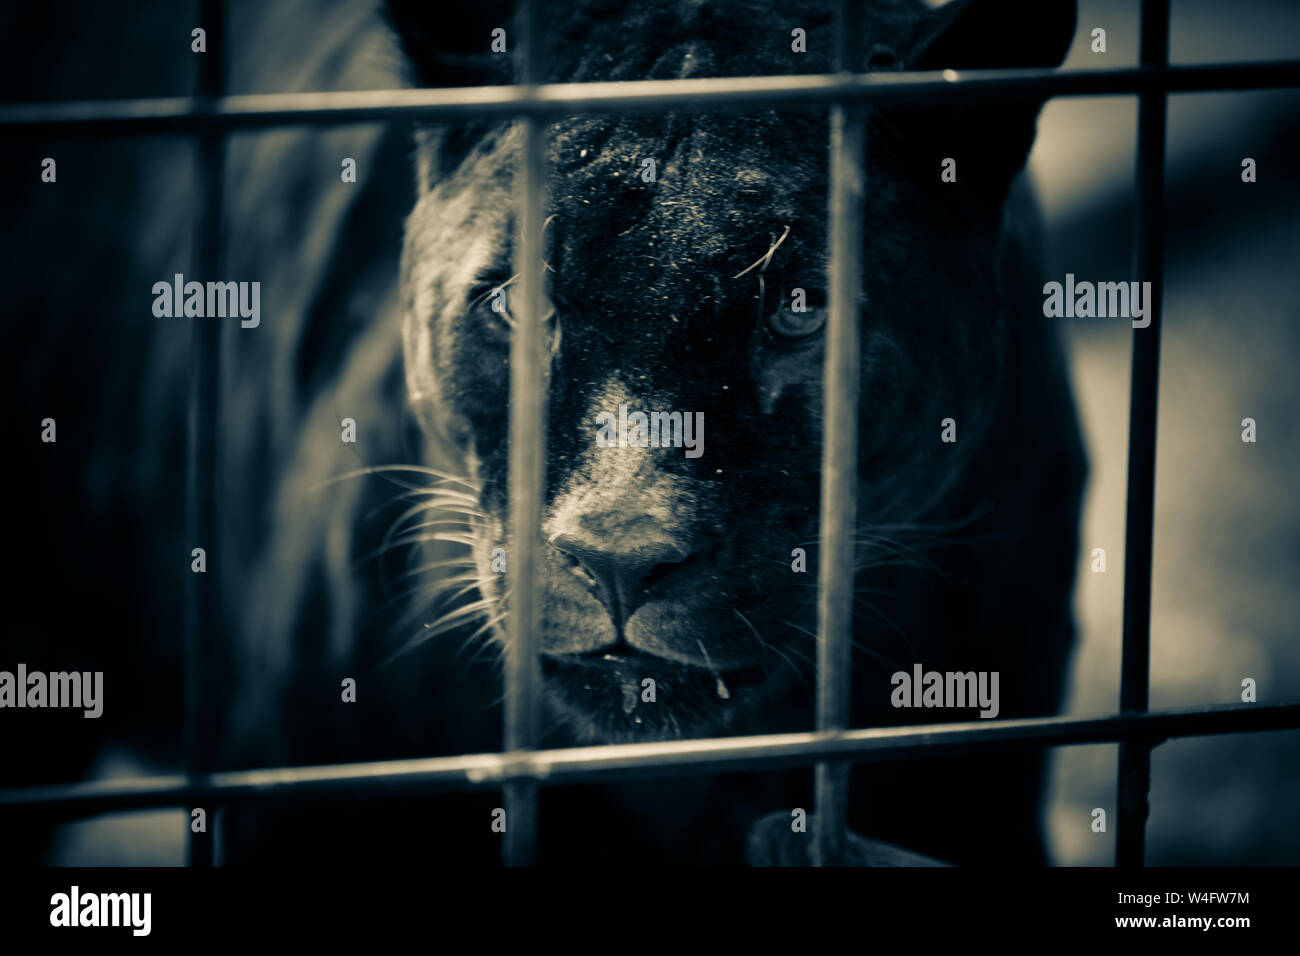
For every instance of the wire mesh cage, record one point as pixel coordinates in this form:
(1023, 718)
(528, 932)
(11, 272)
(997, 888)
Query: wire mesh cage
(521, 767)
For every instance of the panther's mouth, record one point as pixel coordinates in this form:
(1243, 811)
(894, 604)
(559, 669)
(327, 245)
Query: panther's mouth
(625, 659)
(620, 686)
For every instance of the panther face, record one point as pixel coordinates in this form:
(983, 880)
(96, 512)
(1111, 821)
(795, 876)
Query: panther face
(702, 293)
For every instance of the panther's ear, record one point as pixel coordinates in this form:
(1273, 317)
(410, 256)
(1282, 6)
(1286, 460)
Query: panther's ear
(994, 34)
(989, 140)
(451, 44)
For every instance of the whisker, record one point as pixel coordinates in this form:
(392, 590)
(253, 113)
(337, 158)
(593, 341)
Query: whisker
(860, 646)
(436, 596)
(386, 469)
(448, 622)
(766, 259)
(769, 647)
(432, 566)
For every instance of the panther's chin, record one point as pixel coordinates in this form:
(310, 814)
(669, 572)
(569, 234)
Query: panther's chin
(622, 695)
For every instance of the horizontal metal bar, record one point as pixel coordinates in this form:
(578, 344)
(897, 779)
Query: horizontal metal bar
(579, 764)
(179, 114)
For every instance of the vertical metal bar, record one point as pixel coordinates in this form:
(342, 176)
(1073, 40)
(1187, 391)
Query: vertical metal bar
(528, 374)
(839, 450)
(1134, 772)
(203, 590)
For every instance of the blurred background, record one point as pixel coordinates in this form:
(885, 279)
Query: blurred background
(97, 556)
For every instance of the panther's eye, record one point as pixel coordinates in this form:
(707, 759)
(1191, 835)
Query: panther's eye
(492, 300)
(790, 324)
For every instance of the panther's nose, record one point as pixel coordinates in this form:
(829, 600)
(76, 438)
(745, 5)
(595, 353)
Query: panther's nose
(620, 578)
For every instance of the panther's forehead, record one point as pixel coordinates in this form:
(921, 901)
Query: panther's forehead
(665, 211)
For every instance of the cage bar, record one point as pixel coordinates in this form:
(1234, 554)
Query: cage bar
(1134, 770)
(203, 591)
(839, 450)
(528, 364)
(262, 110)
